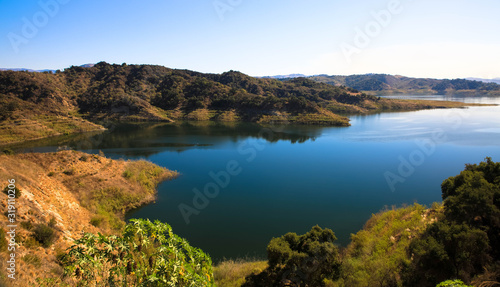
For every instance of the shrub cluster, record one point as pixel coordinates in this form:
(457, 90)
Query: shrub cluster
(145, 254)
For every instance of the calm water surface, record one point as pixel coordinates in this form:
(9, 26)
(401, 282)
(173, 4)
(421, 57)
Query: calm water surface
(296, 177)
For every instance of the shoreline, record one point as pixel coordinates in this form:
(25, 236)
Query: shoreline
(330, 119)
(72, 193)
(52, 136)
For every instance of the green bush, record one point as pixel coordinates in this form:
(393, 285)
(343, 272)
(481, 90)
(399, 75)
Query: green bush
(44, 234)
(448, 250)
(146, 254)
(473, 197)
(305, 260)
(465, 242)
(17, 191)
(69, 171)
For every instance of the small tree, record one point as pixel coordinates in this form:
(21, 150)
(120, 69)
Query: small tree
(473, 197)
(44, 234)
(448, 250)
(304, 260)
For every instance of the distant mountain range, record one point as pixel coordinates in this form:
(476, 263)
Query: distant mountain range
(87, 65)
(40, 71)
(27, 70)
(291, 76)
(381, 84)
(495, 80)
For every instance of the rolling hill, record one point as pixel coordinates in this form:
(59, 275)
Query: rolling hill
(35, 105)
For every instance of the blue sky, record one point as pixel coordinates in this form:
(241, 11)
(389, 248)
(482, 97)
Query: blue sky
(420, 38)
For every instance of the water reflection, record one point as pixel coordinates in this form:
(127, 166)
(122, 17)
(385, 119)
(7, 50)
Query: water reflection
(136, 139)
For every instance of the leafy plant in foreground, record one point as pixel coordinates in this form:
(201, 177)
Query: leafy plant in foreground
(147, 254)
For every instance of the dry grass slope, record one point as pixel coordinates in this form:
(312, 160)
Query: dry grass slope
(72, 192)
(31, 128)
(232, 273)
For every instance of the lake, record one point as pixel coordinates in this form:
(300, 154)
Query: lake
(243, 184)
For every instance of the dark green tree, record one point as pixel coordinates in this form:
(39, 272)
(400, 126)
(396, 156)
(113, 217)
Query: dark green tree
(300, 260)
(466, 240)
(473, 197)
(447, 250)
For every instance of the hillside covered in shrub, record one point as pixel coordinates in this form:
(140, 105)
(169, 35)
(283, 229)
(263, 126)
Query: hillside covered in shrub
(60, 196)
(35, 105)
(389, 84)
